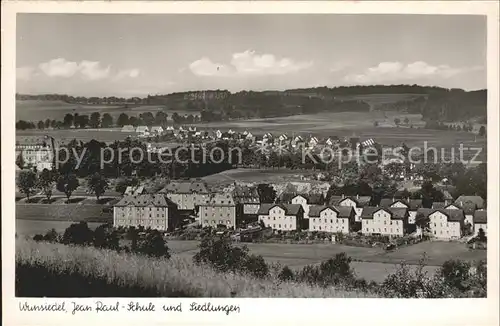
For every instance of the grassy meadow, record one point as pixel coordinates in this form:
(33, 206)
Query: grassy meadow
(55, 270)
(34, 110)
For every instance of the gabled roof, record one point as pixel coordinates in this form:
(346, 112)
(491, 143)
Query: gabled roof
(335, 200)
(386, 202)
(360, 201)
(424, 212)
(480, 217)
(468, 207)
(141, 129)
(438, 205)
(246, 195)
(312, 199)
(368, 211)
(185, 187)
(477, 200)
(453, 215)
(397, 213)
(156, 128)
(345, 211)
(264, 209)
(412, 204)
(315, 210)
(290, 209)
(220, 199)
(145, 200)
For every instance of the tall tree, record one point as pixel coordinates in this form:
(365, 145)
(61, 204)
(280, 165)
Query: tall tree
(41, 125)
(97, 184)
(161, 118)
(27, 182)
(46, 182)
(107, 120)
(67, 183)
(47, 123)
(266, 192)
(482, 131)
(20, 160)
(147, 118)
(68, 120)
(123, 120)
(95, 120)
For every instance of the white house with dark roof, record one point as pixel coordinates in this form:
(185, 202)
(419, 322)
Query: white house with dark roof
(150, 211)
(36, 151)
(143, 130)
(385, 221)
(285, 217)
(331, 219)
(480, 221)
(357, 202)
(447, 223)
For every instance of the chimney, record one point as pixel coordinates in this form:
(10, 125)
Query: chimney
(343, 196)
(357, 196)
(462, 203)
(393, 199)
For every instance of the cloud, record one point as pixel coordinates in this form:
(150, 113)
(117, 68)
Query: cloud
(25, 73)
(59, 68)
(205, 67)
(128, 73)
(248, 63)
(339, 66)
(397, 71)
(92, 70)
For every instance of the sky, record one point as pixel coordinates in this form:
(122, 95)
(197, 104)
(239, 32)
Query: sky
(136, 55)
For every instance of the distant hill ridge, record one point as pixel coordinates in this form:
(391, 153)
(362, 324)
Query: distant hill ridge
(434, 103)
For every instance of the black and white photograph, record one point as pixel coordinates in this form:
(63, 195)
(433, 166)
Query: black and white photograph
(251, 155)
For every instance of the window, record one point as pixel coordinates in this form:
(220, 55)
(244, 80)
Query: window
(385, 229)
(385, 222)
(331, 221)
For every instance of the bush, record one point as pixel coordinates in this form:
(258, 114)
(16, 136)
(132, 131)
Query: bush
(335, 271)
(153, 245)
(106, 237)
(286, 274)
(79, 234)
(219, 253)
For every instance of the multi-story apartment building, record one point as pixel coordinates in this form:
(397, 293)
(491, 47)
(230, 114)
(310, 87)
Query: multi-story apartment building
(153, 211)
(447, 223)
(357, 203)
(285, 217)
(384, 221)
(331, 219)
(36, 151)
(411, 204)
(468, 207)
(248, 198)
(187, 194)
(305, 200)
(480, 221)
(219, 209)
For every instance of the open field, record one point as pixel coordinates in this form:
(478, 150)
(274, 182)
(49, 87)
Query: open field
(256, 175)
(62, 212)
(107, 135)
(29, 228)
(377, 99)
(373, 264)
(42, 265)
(34, 110)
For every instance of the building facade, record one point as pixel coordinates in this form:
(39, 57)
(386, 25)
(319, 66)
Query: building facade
(384, 221)
(480, 222)
(331, 219)
(36, 152)
(150, 211)
(220, 209)
(285, 217)
(447, 223)
(188, 194)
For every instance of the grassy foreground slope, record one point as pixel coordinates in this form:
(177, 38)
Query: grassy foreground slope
(56, 270)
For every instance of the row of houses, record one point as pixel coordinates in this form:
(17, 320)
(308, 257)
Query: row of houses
(305, 212)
